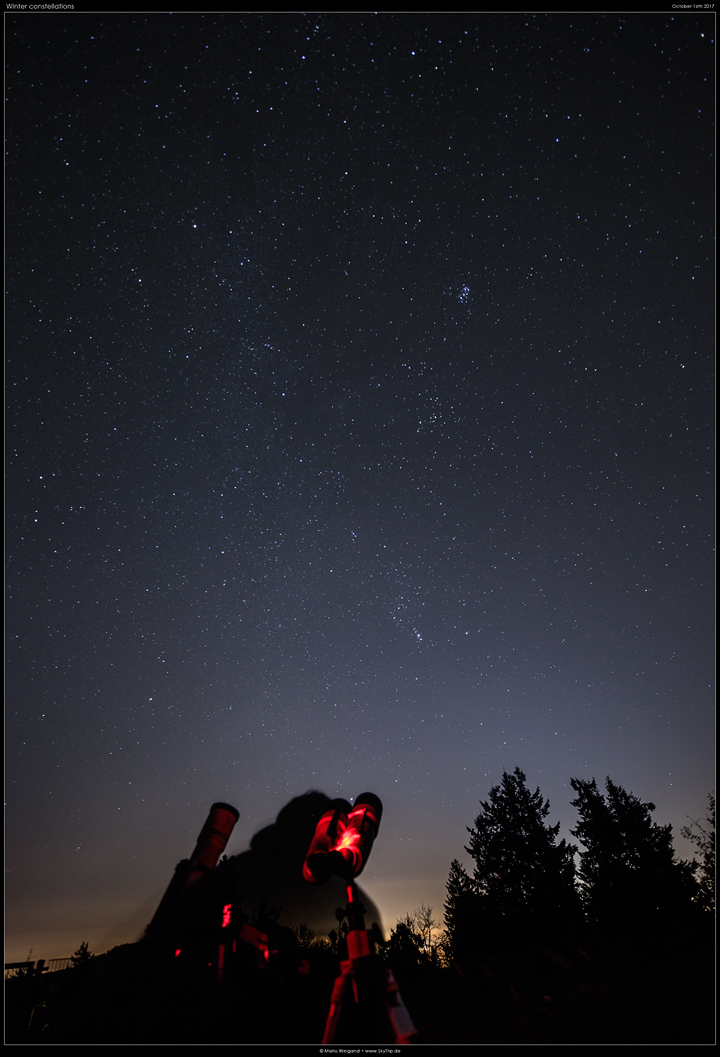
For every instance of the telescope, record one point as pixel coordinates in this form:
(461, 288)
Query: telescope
(365, 1005)
(317, 867)
(210, 844)
(199, 934)
(343, 839)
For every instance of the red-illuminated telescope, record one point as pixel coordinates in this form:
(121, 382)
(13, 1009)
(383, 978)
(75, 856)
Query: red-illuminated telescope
(318, 866)
(212, 840)
(357, 840)
(342, 842)
(210, 844)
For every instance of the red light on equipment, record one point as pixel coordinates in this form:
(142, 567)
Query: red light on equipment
(227, 913)
(343, 839)
(212, 840)
(357, 840)
(328, 832)
(187, 883)
(347, 840)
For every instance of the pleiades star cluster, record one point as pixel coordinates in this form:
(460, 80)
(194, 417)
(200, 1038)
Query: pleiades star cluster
(359, 378)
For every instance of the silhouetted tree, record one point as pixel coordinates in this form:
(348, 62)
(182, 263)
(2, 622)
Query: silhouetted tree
(462, 912)
(82, 957)
(405, 947)
(337, 938)
(703, 836)
(426, 927)
(525, 879)
(628, 871)
(305, 936)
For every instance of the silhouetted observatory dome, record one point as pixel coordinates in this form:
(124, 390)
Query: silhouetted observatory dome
(269, 876)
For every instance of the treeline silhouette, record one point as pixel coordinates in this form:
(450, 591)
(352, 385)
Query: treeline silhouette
(607, 941)
(610, 940)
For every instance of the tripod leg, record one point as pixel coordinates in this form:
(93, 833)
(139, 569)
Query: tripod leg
(398, 1015)
(339, 991)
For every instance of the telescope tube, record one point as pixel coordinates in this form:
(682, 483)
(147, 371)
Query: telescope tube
(212, 840)
(329, 830)
(210, 844)
(353, 849)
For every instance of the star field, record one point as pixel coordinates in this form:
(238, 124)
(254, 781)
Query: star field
(359, 433)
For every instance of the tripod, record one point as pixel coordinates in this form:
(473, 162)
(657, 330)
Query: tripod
(366, 1005)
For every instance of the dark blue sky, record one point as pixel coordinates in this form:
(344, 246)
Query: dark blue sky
(359, 434)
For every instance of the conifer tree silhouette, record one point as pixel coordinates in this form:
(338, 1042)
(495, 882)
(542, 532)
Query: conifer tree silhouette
(524, 878)
(630, 877)
(462, 911)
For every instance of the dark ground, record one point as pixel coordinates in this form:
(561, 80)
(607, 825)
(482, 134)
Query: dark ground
(589, 993)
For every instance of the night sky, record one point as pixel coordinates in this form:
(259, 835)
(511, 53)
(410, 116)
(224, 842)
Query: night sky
(359, 434)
